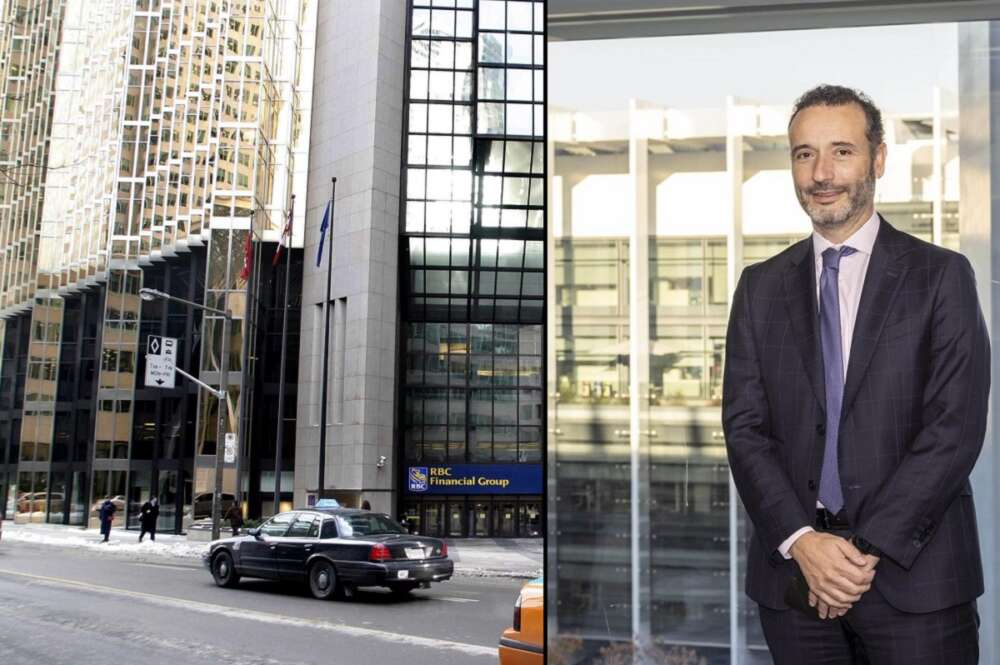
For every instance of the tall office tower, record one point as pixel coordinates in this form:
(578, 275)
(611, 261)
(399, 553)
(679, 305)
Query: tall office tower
(473, 246)
(174, 129)
(29, 41)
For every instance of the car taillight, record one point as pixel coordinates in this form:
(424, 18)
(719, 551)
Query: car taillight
(517, 613)
(444, 549)
(379, 552)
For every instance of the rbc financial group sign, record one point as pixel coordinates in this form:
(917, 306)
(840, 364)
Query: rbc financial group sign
(475, 479)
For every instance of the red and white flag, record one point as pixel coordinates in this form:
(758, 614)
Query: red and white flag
(287, 233)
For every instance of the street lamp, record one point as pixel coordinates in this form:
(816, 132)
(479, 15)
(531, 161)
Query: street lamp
(227, 322)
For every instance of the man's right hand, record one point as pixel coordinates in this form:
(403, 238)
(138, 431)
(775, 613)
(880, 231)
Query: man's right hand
(837, 573)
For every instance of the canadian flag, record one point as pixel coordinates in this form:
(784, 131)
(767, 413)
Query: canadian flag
(287, 233)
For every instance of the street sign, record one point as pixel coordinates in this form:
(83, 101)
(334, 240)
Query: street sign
(161, 362)
(230, 451)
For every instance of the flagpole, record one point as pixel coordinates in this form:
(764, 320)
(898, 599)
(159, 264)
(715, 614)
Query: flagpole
(248, 326)
(281, 380)
(326, 349)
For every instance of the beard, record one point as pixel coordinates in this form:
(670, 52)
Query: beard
(860, 194)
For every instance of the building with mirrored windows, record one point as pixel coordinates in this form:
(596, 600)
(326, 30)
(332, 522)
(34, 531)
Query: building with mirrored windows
(142, 143)
(435, 396)
(670, 174)
(472, 263)
(165, 145)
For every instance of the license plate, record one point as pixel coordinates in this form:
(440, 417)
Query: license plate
(403, 574)
(414, 553)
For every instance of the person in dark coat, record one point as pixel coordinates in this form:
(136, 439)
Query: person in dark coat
(107, 516)
(235, 517)
(147, 518)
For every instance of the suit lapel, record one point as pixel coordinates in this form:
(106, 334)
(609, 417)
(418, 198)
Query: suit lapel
(800, 300)
(882, 281)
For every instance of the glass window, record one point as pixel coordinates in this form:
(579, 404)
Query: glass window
(491, 83)
(304, 526)
(277, 526)
(329, 529)
(442, 54)
(518, 157)
(358, 525)
(492, 47)
(519, 49)
(492, 15)
(462, 278)
(687, 595)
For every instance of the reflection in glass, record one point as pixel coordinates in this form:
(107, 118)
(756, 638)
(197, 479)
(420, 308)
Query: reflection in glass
(662, 397)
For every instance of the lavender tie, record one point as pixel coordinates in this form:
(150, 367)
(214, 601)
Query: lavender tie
(831, 494)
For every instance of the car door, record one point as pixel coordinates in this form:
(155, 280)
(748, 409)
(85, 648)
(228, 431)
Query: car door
(257, 555)
(297, 545)
(335, 547)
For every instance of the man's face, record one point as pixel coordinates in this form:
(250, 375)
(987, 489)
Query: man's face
(832, 165)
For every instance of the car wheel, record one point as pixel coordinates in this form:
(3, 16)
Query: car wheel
(403, 589)
(224, 571)
(323, 580)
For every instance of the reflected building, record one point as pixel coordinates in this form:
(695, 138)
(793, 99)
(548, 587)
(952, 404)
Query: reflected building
(656, 210)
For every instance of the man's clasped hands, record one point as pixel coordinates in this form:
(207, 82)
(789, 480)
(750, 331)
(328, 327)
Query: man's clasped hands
(838, 574)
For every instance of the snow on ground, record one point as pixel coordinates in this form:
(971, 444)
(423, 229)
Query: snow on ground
(476, 558)
(122, 543)
(519, 558)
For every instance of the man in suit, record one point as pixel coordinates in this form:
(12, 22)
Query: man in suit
(854, 408)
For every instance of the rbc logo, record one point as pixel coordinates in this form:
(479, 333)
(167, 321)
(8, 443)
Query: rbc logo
(418, 479)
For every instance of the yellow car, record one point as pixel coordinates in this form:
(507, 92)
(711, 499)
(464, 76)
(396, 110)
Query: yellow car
(523, 643)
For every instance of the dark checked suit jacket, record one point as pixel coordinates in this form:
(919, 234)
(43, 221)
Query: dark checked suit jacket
(912, 422)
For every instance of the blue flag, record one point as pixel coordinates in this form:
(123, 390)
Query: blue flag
(322, 233)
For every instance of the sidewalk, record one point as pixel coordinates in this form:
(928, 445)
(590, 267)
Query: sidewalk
(497, 557)
(478, 557)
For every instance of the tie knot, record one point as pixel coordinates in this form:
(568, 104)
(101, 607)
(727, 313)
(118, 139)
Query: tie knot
(832, 256)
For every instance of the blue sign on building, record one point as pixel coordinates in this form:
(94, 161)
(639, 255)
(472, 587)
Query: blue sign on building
(475, 479)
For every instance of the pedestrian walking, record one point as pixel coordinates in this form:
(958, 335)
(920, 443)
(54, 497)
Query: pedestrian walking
(235, 517)
(147, 518)
(365, 505)
(106, 513)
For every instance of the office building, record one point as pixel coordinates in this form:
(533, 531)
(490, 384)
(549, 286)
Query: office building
(436, 311)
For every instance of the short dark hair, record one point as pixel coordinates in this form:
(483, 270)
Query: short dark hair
(838, 95)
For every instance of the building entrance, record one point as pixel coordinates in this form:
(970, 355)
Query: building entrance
(475, 517)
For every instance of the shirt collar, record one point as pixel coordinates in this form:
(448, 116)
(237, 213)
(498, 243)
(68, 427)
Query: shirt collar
(862, 240)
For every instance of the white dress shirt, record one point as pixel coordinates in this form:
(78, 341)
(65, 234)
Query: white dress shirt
(851, 279)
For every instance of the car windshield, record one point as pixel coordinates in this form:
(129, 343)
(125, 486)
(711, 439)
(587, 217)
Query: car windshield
(367, 524)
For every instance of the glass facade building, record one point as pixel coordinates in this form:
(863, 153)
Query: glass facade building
(666, 183)
(472, 256)
(155, 137)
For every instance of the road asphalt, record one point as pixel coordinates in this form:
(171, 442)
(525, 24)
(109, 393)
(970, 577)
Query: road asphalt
(79, 607)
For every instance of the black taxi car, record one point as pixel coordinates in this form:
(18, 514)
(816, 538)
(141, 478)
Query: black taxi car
(335, 551)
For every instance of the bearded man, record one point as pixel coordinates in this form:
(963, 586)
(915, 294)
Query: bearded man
(854, 407)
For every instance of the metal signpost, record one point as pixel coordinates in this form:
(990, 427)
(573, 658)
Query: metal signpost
(161, 365)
